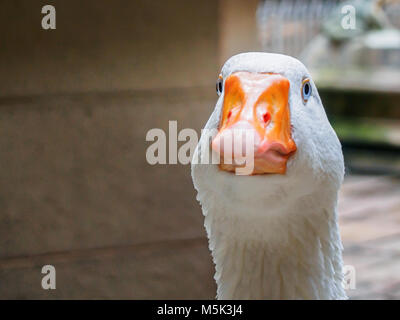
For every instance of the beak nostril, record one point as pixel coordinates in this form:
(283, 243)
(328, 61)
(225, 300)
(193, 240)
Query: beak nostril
(266, 117)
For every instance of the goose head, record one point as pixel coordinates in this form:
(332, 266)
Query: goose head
(296, 151)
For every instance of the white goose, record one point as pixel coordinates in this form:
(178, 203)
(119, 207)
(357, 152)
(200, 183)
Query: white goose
(273, 234)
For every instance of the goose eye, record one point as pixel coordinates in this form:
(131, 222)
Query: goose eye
(306, 90)
(219, 85)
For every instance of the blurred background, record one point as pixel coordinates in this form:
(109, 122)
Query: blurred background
(76, 103)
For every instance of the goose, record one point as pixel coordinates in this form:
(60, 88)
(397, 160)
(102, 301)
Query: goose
(273, 233)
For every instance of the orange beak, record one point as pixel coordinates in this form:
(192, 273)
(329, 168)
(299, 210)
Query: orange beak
(258, 104)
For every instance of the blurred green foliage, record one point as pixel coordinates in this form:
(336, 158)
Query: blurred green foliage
(358, 129)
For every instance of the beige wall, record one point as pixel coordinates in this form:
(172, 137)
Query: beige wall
(75, 188)
(238, 28)
(75, 106)
(121, 45)
(76, 192)
(104, 45)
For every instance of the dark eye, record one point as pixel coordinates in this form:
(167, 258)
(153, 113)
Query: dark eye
(306, 90)
(220, 82)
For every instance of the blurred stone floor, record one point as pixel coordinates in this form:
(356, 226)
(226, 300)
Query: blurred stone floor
(369, 216)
